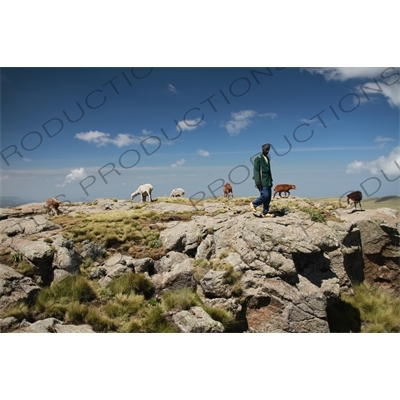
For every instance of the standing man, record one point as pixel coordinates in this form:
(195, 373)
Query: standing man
(263, 180)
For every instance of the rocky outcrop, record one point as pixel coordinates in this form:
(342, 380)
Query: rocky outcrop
(51, 325)
(272, 275)
(379, 241)
(15, 288)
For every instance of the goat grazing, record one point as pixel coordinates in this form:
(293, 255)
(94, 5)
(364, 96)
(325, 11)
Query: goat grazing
(144, 191)
(228, 191)
(283, 188)
(354, 198)
(52, 205)
(178, 192)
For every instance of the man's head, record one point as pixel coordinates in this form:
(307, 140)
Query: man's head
(265, 148)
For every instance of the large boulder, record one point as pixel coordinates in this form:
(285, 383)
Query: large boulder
(15, 288)
(380, 245)
(66, 258)
(180, 277)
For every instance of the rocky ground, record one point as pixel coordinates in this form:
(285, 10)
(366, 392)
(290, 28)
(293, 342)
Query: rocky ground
(269, 275)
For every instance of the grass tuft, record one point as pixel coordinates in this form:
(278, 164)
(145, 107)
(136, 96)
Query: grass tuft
(370, 310)
(181, 299)
(132, 283)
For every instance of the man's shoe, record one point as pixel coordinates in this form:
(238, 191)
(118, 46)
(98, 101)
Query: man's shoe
(252, 208)
(268, 215)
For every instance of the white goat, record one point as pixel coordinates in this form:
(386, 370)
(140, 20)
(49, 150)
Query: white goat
(178, 192)
(143, 190)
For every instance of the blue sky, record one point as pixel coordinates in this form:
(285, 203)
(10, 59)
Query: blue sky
(85, 133)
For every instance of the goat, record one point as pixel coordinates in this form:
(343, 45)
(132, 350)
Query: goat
(285, 188)
(178, 192)
(143, 190)
(52, 205)
(228, 191)
(354, 198)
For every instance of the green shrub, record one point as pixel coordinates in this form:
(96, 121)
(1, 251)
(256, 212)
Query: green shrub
(25, 268)
(132, 283)
(379, 309)
(55, 300)
(370, 310)
(16, 257)
(87, 263)
(73, 288)
(181, 299)
(76, 313)
(155, 322)
(315, 215)
(124, 306)
(99, 322)
(19, 311)
(226, 318)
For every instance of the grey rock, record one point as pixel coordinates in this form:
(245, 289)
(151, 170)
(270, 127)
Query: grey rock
(52, 325)
(180, 277)
(14, 287)
(92, 250)
(7, 323)
(66, 258)
(196, 320)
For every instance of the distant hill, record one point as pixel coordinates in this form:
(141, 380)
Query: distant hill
(380, 199)
(13, 201)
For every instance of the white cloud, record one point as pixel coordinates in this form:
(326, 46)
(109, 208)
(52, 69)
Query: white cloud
(392, 94)
(99, 138)
(2, 178)
(271, 115)
(389, 88)
(203, 153)
(345, 73)
(78, 173)
(383, 139)
(308, 121)
(189, 124)
(178, 163)
(240, 120)
(121, 140)
(390, 165)
(172, 88)
(146, 132)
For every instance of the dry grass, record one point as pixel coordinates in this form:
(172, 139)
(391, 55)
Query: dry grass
(370, 310)
(379, 310)
(133, 231)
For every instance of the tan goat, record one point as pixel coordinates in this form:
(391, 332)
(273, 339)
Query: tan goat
(283, 188)
(228, 191)
(52, 205)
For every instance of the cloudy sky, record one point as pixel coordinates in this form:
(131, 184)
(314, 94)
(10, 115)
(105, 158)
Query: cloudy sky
(84, 133)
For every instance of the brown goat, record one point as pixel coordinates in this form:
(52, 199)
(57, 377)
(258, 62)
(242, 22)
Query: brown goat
(283, 188)
(52, 205)
(228, 191)
(354, 198)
